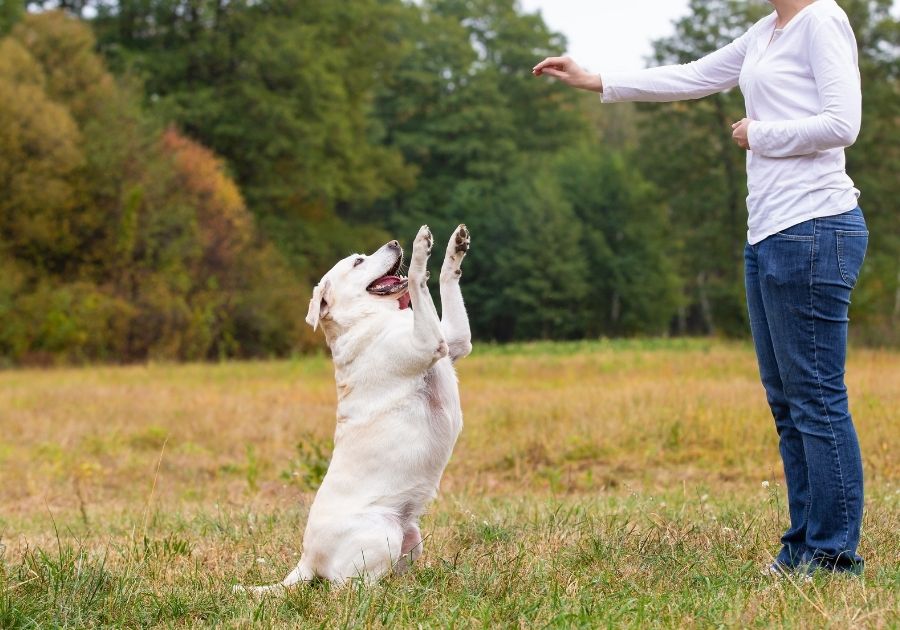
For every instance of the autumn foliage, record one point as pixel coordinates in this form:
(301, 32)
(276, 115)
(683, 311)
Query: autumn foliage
(118, 240)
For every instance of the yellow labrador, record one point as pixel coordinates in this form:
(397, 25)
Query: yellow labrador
(398, 412)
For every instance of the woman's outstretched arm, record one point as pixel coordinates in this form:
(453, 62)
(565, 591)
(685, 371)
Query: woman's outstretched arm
(713, 73)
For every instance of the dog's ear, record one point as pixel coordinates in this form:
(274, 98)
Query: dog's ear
(318, 304)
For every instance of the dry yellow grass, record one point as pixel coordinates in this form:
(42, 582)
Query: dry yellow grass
(563, 420)
(667, 441)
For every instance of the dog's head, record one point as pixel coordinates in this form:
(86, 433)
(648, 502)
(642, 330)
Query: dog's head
(358, 286)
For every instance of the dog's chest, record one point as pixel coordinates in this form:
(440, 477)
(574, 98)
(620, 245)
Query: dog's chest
(432, 394)
(422, 405)
(440, 393)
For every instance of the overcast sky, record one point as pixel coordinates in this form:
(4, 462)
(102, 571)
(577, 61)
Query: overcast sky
(609, 34)
(612, 34)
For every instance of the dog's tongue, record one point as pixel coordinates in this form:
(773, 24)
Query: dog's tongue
(389, 281)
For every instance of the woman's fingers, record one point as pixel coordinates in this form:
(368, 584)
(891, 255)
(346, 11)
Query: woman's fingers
(556, 62)
(549, 61)
(569, 72)
(553, 72)
(739, 133)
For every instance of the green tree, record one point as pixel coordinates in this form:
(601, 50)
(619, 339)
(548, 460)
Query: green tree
(283, 90)
(11, 11)
(688, 153)
(625, 240)
(873, 163)
(541, 274)
(463, 107)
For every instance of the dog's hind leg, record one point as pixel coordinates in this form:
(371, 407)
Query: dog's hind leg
(411, 550)
(367, 554)
(455, 321)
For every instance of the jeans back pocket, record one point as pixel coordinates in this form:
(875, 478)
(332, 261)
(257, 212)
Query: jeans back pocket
(851, 251)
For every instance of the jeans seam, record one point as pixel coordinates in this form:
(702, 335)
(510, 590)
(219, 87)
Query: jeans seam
(822, 393)
(839, 244)
(795, 237)
(839, 236)
(812, 266)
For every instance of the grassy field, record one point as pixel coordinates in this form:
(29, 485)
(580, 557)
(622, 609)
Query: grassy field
(596, 484)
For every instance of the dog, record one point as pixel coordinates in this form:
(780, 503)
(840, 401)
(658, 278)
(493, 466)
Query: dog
(398, 411)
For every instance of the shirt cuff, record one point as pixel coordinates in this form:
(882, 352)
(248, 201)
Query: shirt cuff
(752, 139)
(611, 83)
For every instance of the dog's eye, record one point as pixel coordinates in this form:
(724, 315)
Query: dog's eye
(358, 262)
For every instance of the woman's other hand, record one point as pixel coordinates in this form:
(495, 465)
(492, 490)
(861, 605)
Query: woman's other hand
(739, 131)
(569, 72)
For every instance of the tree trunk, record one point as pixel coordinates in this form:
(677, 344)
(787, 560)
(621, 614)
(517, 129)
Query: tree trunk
(705, 307)
(896, 315)
(616, 310)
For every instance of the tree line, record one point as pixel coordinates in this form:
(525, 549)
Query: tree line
(177, 174)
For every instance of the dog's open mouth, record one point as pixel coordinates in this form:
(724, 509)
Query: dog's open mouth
(392, 283)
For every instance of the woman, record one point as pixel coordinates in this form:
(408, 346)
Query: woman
(806, 240)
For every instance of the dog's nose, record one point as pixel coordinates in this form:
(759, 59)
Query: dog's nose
(394, 244)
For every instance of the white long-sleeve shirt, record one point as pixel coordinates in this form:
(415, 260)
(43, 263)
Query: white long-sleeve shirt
(801, 87)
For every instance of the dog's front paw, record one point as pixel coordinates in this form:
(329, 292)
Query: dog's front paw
(456, 251)
(421, 250)
(460, 240)
(424, 242)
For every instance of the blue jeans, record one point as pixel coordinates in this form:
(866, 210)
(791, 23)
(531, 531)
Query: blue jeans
(798, 295)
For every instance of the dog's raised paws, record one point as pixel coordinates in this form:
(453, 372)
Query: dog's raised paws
(461, 238)
(456, 251)
(421, 251)
(424, 239)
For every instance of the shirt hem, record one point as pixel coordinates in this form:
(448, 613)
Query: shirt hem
(753, 239)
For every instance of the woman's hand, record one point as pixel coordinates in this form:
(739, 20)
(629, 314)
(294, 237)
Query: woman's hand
(739, 131)
(569, 72)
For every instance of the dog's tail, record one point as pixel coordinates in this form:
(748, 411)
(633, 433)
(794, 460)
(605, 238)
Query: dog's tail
(299, 574)
(259, 591)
